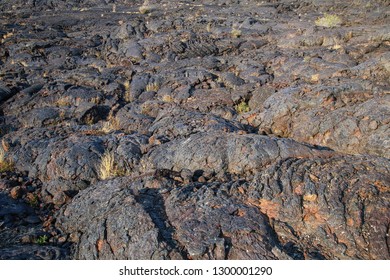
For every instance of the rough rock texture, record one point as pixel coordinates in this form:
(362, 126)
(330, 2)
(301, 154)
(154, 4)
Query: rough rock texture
(216, 129)
(337, 208)
(226, 152)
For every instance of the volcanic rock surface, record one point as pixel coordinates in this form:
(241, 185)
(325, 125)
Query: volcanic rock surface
(213, 129)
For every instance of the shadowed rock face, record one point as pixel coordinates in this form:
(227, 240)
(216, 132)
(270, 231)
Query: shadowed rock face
(316, 208)
(212, 130)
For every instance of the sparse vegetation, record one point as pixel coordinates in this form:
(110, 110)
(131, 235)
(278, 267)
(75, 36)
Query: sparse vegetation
(95, 100)
(6, 164)
(109, 169)
(152, 87)
(209, 27)
(127, 96)
(42, 240)
(89, 120)
(329, 21)
(236, 33)
(106, 169)
(32, 200)
(146, 8)
(146, 108)
(63, 102)
(242, 107)
(111, 125)
(167, 98)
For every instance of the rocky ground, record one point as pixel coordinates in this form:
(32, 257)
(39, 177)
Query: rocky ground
(214, 129)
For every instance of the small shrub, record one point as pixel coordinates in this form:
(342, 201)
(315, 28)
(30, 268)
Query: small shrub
(95, 100)
(111, 125)
(329, 21)
(89, 120)
(209, 27)
(152, 87)
(167, 98)
(146, 109)
(146, 8)
(236, 33)
(63, 102)
(32, 200)
(6, 164)
(41, 240)
(106, 169)
(242, 107)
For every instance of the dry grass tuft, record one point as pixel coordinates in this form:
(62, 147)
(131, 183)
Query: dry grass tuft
(167, 98)
(236, 33)
(106, 168)
(112, 124)
(63, 101)
(6, 164)
(329, 21)
(109, 169)
(153, 87)
(146, 8)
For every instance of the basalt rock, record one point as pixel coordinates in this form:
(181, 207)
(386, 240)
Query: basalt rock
(182, 130)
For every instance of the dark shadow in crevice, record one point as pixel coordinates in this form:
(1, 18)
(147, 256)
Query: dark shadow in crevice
(153, 203)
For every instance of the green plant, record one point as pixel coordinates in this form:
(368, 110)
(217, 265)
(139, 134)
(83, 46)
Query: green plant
(329, 21)
(242, 107)
(42, 240)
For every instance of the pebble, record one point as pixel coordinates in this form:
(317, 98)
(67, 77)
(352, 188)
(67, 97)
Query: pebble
(16, 192)
(202, 179)
(62, 239)
(373, 125)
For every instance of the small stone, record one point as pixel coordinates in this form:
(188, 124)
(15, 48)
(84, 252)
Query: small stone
(73, 237)
(186, 174)
(62, 239)
(59, 198)
(202, 179)
(310, 197)
(178, 179)
(373, 125)
(26, 239)
(208, 174)
(16, 192)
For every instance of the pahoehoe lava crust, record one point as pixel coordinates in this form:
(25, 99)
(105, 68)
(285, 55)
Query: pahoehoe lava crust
(220, 129)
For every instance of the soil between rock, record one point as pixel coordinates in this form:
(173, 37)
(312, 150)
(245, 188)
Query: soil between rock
(229, 130)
